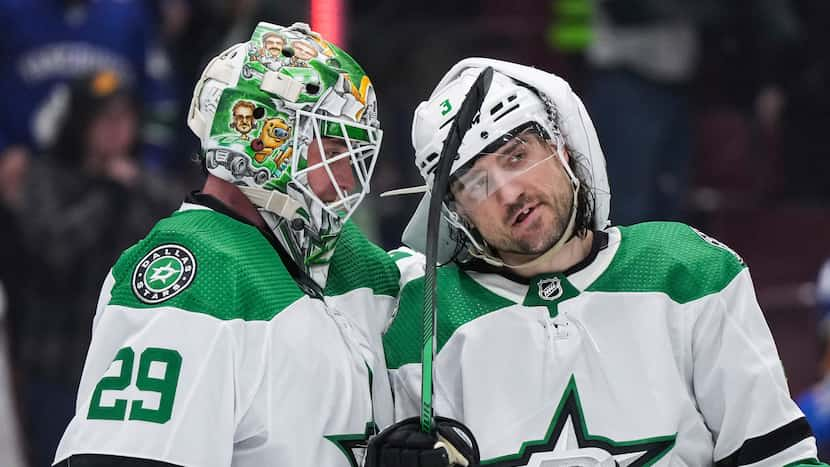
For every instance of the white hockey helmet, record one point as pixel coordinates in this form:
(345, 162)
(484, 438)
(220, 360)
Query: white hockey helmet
(506, 107)
(518, 95)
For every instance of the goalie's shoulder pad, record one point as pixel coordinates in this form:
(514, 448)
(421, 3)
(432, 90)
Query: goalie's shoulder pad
(359, 263)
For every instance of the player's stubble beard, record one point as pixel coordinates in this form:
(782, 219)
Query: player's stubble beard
(554, 211)
(543, 232)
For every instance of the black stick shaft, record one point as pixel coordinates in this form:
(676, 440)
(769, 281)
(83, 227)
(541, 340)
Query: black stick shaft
(463, 121)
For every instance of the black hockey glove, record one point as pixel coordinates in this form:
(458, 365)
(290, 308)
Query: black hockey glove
(405, 445)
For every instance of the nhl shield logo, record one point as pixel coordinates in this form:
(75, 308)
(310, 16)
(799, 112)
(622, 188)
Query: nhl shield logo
(163, 273)
(550, 288)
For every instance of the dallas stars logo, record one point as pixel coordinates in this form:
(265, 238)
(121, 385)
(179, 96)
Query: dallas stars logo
(354, 446)
(163, 273)
(568, 442)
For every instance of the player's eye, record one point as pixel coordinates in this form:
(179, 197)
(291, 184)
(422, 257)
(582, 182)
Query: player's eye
(515, 159)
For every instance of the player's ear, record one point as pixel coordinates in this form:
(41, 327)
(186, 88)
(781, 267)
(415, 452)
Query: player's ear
(558, 145)
(566, 156)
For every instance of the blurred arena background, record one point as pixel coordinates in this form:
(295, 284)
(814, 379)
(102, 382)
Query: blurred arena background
(713, 113)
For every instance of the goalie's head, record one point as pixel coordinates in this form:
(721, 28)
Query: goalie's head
(292, 120)
(518, 188)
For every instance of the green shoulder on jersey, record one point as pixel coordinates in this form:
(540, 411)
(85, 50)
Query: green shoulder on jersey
(671, 258)
(238, 274)
(358, 263)
(460, 300)
(661, 257)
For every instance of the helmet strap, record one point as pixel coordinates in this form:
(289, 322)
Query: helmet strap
(273, 201)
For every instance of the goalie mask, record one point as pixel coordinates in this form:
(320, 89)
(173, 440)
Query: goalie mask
(292, 121)
(512, 180)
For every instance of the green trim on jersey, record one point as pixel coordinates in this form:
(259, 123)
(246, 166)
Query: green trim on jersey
(460, 300)
(358, 263)
(399, 254)
(348, 443)
(650, 450)
(239, 274)
(805, 462)
(555, 289)
(668, 257)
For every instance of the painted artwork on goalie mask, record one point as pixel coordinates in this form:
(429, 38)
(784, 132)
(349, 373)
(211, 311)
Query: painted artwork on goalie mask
(256, 135)
(314, 62)
(276, 48)
(254, 130)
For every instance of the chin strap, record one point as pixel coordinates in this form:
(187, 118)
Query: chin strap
(566, 235)
(273, 201)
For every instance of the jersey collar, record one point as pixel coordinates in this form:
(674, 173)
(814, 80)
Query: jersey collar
(199, 200)
(599, 243)
(507, 284)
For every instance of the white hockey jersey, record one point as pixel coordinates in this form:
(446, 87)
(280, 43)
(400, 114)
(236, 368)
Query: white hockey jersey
(652, 351)
(205, 352)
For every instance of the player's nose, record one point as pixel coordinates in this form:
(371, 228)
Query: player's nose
(343, 174)
(507, 189)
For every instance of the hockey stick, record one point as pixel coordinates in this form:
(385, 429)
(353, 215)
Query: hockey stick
(463, 120)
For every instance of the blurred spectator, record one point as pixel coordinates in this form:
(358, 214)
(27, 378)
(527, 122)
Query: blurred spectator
(13, 165)
(84, 201)
(747, 66)
(815, 402)
(806, 116)
(12, 283)
(48, 42)
(11, 453)
(643, 57)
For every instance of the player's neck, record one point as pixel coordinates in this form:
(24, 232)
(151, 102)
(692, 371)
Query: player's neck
(232, 197)
(571, 253)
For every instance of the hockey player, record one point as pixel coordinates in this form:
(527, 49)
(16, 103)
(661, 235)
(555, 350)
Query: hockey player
(235, 333)
(563, 341)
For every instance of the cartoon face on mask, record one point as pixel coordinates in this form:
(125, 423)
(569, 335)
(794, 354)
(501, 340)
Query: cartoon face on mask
(243, 118)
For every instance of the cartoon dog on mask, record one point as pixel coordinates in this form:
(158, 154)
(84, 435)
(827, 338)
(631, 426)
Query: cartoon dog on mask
(274, 134)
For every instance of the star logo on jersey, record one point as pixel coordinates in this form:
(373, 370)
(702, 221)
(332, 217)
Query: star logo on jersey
(550, 288)
(163, 273)
(569, 443)
(353, 446)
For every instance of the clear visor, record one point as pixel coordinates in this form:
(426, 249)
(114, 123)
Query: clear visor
(339, 163)
(516, 199)
(518, 163)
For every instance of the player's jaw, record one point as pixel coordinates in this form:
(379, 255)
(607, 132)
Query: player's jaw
(526, 228)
